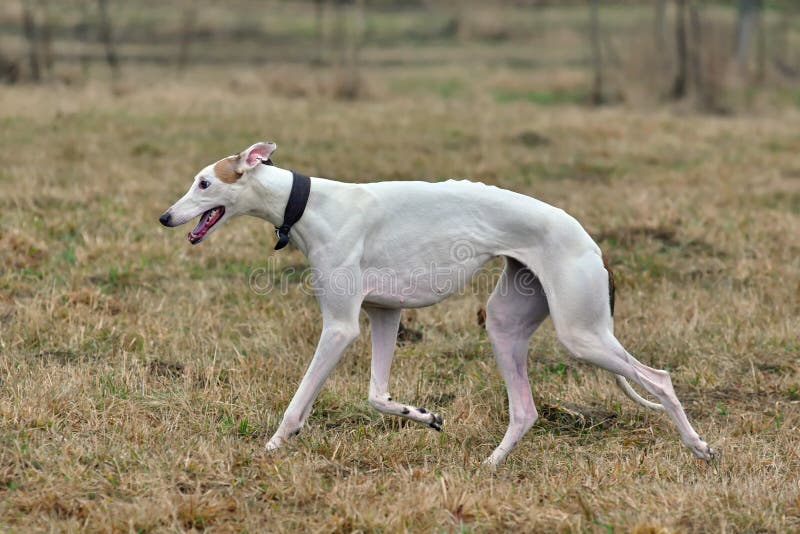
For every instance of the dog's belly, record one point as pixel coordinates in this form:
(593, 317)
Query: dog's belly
(418, 285)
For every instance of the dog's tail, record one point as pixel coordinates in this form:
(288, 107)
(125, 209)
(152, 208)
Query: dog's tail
(611, 289)
(621, 381)
(635, 397)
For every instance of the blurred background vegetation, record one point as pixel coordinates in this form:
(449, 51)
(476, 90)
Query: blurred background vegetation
(718, 57)
(140, 377)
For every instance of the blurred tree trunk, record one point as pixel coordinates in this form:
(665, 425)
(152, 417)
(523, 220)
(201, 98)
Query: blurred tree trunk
(81, 32)
(187, 35)
(783, 58)
(461, 19)
(597, 96)
(354, 56)
(9, 69)
(31, 35)
(761, 47)
(695, 51)
(46, 41)
(660, 36)
(679, 85)
(37, 28)
(339, 33)
(319, 30)
(660, 26)
(107, 37)
(349, 30)
(746, 25)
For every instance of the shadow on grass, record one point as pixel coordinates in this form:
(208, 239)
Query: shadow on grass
(567, 418)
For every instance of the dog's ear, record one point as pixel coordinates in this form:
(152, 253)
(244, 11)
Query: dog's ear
(254, 155)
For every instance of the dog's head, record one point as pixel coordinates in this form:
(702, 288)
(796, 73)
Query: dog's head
(214, 192)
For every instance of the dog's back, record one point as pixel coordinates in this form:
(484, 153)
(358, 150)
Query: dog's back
(492, 220)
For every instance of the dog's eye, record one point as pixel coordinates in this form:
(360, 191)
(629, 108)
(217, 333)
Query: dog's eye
(204, 184)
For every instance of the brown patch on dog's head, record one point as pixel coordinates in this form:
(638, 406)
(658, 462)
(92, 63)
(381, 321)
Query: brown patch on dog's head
(226, 169)
(233, 167)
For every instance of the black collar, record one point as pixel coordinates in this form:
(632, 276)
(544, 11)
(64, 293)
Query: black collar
(298, 198)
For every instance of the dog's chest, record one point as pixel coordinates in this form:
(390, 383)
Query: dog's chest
(406, 280)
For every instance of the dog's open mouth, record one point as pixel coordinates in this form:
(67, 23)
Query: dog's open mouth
(207, 220)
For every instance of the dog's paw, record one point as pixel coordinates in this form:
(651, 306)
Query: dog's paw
(433, 420)
(436, 422)
(494, 460)
(274, 444)
(703, 452)
(490, 464)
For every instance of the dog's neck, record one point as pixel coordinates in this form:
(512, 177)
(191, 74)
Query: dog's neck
(272, 186)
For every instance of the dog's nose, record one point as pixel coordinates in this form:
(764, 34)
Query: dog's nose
(164, 219)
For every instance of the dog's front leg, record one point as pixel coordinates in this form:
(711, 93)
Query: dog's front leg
(339, 329)
(384, 324)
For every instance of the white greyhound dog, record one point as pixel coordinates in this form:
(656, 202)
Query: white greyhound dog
(385, 246)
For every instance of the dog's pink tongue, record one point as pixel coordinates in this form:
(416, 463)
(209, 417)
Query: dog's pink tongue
(198, 230)
(200, 224)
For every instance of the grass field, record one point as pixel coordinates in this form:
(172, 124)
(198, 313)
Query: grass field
(140, 377)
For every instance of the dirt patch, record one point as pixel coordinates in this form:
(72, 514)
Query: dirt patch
(571, 418)
(531, 139)
(481, 317)
(630, 236)
(164, 369)
(59, 356)
(18, 251)
(406, 335)
(781, 200)
(776, 368)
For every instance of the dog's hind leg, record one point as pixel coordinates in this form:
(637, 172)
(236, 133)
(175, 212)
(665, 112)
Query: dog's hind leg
(578, 298)
(516, 308)
(384, 324)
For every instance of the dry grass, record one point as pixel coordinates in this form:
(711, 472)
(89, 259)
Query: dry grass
(141, 377)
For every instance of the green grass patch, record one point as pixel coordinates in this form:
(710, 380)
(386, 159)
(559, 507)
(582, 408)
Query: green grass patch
(782, 200)
(581, 171)
(445, 89)
(541, 97)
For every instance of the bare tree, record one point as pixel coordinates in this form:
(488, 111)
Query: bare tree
(187, 34)
(32, 36)
(339, 37)
(319, 30)
(597, 95)
(9, 69)
(349, 28)
(46, 40)
(783, 59)
(463, 27)
(81, 32)
(746, 26)
(354, 85)
(679, 85)
(761, 47)
(107, 37)
(458, 24)
(700, 71)
(660, 25)
(704, 91)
